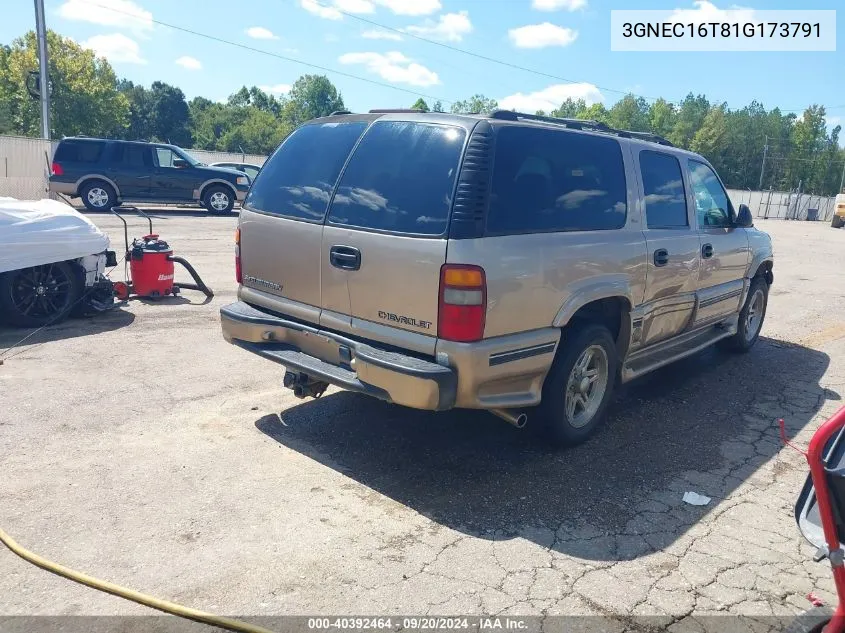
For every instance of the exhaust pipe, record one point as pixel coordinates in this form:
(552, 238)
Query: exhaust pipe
(517, 418)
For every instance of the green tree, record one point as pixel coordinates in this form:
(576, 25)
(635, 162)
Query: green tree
(689, 119)
(661, 118)
(711, 138)
(140, 110)
(311, 96)
(421, 105)
(476, 104)
(84, 96)
(630, 113)
(569, 109)
(437, 107)
(596, 112)
(170, 117)
(259, 133)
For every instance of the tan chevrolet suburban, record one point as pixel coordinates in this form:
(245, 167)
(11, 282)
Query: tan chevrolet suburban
(511, 262)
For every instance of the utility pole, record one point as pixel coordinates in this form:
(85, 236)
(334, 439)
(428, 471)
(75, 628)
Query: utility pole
(43, 77)
(763, 166)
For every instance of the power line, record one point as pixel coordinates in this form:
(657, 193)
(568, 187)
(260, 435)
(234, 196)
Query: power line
(470, 53)
(276, 55)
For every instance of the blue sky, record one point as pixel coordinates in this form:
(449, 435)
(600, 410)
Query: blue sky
(566, 38)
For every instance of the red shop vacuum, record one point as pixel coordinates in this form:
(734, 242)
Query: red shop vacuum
(150, 262)
(820, 514)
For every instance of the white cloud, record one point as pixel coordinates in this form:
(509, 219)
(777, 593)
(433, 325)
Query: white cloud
(116, 47)
(260, 33)
(708, 12)
(355, 6)
(321, 10)
(542, 35)
(116, 13)
(393, 67)
(379, 34)
(550, 98)
(276, 89)
(556, 5)
(450, 27)
(411, 7)
(189, 63)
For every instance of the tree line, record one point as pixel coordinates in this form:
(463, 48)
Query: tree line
(88, 98)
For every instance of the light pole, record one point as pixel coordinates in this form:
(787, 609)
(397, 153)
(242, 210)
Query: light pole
(43, 78)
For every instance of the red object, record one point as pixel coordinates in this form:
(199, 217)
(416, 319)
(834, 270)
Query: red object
(57, 169)
(815, 600)
(151, 267)
(815, 457)
(238, 273)
(463, 306)
(121, 290)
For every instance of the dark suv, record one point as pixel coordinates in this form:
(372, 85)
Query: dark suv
(105, 173)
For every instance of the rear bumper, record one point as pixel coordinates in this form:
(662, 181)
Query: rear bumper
(64, 188)
(341, 361)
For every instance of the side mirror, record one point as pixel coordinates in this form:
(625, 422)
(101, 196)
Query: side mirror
(180, 163)
(744, 219)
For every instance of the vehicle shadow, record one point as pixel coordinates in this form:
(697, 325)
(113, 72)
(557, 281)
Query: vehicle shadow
(616, 497)
(73, 327)
(162, 213)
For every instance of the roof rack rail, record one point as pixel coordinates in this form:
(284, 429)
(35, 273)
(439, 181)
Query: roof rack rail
(396, 111)
(339, 112)
(579, 124)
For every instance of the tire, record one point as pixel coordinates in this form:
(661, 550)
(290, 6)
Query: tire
(748, 330)
(98, 195)
(41, 295)
(837, 221)
(564, 393)
(218, 199)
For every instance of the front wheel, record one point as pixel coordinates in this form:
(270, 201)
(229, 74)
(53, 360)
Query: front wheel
(579, 386)
(837, 221)
(38, 296)
(750, 318)
(218, 199)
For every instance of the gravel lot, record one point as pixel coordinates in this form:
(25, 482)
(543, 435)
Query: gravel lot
(140, 447)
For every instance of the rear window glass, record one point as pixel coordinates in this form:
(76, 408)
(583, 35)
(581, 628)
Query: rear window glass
(400, 179)
(298, 179)
(549, 180)
(663, 186)
(79, 151)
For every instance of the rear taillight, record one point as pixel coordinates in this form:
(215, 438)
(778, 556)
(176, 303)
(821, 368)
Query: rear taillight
(463, 303)
(57, 169)
(238, 273)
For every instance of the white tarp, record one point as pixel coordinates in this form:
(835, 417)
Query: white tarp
(35, 232)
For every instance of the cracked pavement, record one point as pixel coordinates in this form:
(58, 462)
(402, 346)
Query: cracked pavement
(141, 448)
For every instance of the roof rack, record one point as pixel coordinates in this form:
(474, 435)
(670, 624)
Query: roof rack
(579, 124)
(339, 112)
(397, 111)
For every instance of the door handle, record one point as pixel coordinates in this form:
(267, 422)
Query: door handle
(707, 251)
(345, 257)
(661, 257)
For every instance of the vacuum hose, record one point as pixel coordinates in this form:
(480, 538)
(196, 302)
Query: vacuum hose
(148, 601)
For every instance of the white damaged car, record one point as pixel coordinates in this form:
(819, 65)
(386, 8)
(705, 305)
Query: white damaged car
(52, 263)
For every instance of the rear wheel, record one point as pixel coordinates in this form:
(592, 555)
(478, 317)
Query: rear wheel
(579, 386)
(98, 196)
(40, 295)
(218, 199)
(750, 318)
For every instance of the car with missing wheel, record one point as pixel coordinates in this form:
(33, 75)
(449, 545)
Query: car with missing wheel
(105, 173)
(516, 263)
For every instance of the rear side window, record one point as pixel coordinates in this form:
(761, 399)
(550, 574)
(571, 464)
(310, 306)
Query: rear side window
(400, 179)
(79, 151)
(298, 179)
(549, 180)
(663, 187)
(130, 155)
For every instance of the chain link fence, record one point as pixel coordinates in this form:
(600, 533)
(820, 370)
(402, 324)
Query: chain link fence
(785, 205)
(25, 165)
